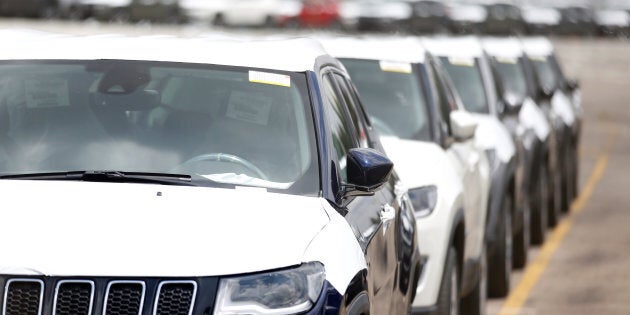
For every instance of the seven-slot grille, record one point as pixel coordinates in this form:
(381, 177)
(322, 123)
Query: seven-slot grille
(78, 297)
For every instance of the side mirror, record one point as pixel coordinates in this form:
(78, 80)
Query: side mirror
(513, 102)
(463, 125)
(368, 170)
(572, 84)
(545, 94)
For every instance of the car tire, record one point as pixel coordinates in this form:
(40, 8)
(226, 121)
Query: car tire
(360, 305)
(540, 213)
(522, 240)
(500, 260)
(475, 302)
(448, 298)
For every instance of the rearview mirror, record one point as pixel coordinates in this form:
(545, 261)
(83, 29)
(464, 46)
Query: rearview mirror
(368, 170)
(463, 125)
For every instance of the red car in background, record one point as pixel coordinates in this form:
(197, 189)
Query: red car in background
(316, 14)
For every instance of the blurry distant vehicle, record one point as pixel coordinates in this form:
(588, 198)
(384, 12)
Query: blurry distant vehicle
(466, 17)
(503, 19)
(202, 11)
(612, 22)
(577, 20)
(374, 15)
(155, 11)
(428, 17)
(28, 8)
(253, 12)
(319, 14)
(540, 20)
(104, 10)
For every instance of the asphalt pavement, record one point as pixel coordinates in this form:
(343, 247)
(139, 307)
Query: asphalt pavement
(584, 266)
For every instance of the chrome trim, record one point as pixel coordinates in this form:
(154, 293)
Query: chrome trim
(109, 285)
(192, 301)
(91, 283)
(41, 293)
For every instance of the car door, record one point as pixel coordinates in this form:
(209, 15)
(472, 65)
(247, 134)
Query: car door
(467, 161)
(371, 217)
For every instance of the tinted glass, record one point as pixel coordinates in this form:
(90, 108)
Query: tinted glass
(217, 124)
(546, 73)
(512, 75)
(466, 76)
(392, 97)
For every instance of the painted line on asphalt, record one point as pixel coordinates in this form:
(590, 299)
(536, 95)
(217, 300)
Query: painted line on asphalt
(519, 295)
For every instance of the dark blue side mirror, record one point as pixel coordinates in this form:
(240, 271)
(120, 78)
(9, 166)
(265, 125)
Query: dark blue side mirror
(368, 170)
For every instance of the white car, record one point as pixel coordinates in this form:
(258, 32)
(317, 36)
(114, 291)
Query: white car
(565, 98)
(155, 179)
(466, 16)
(388, 73)
(241, 12)
(466, 63)
(540, 19)
(383, 15)
(519, 92)
(613, 22)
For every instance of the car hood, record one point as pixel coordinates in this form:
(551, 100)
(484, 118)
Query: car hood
(63, 228)
(492, 134)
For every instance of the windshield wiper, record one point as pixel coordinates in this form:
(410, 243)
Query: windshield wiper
(109, 177)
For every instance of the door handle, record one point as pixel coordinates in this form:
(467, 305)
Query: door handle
(388, 213)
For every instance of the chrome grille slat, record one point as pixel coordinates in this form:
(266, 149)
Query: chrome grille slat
(73, 297)
(175, 298)
(124, 298)
(23, 297)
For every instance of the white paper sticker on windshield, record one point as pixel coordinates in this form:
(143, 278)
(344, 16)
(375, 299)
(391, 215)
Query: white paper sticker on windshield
(462, 61)
(399, 67)
(46, 92)
(507, 60)
(249, 107)
(538, 58)
(270, 78)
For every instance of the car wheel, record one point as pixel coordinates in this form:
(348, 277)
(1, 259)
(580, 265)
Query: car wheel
(522, 240)
(359, 306)
(475, 302)
(500, 261)
(448, 298)
(540, 211)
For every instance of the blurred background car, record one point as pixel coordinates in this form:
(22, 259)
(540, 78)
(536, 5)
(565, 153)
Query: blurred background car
(102, 10)
(466, 17)
(503, 19)
(375, 15)
(612, 22)
(577, 20)
(247, 12)
(539, 19)
(428, 16)
(28, 8)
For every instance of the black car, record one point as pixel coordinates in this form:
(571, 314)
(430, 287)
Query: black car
(428, 16)
(28, 8)
(577, 20)
(503, 19)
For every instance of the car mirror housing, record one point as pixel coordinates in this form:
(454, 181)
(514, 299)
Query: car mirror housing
(572, 84)
(513, 102)
(463, 125)
(368, 170)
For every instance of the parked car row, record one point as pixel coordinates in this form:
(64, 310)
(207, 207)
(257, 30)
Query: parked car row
(336, 174)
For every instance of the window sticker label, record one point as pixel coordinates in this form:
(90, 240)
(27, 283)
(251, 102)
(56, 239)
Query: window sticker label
(462, 61)
(46, 92)
(270, 78)
(538, 58)
(507, 60)
(252, 108)
(398, 67)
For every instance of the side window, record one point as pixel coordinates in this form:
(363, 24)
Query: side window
(337, 118)
(442, 98)
(351, 103)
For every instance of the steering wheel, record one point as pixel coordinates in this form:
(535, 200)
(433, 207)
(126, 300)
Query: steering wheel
(224, 157)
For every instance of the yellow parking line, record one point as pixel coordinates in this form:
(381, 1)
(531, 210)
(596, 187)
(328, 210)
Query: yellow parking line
(519, 295)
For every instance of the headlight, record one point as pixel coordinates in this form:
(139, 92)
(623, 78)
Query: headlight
(280, 292)
(423, 200)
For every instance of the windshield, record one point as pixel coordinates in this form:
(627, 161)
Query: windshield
(546, 73)
(218, 124)
(466, 77)
(512, 75)
(391, 95)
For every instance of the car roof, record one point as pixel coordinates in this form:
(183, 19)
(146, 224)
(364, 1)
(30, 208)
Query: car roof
(385, 48)
(503, 47)
(298, 54)
(462, 47)
(537, 46)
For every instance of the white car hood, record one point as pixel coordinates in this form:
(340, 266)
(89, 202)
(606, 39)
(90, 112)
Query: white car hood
(561, 105)
(492, 134)
(63, 228)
